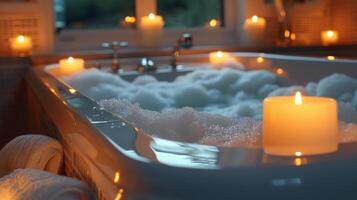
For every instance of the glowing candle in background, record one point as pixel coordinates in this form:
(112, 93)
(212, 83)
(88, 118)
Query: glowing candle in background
(287, 34)
(260, 59)
(218, 57)
(329, 37)
(298, 126)
(220, 60)
(21, 45)
(151, 29)
(281, 72)
(71, 65)
(128, 22)
(213, 24)
(255, 29)
(331, 57)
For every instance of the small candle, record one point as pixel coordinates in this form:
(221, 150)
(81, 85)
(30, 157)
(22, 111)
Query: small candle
(260, 59)
(71, 65)
(213, 23)
(281, 72)
(329, 37)
(218, 58)
(330, 57)
(21, 44)
(255, 28)
(128, 22)
(298, 126)
(151, 28)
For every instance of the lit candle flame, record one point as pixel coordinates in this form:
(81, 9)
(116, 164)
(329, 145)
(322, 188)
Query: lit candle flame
(130, 19)
(287, 33)
(298, 154)
(219, 54)
(260, 59)
(152, 16)
(255, 18)
(298, 98)
(21, 38)
(280, 71)
(71, 59)
(213, 23)
(331, 57)
(330, 33)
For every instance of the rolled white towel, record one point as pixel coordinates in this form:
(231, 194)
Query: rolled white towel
(31, 184)
(31, 151)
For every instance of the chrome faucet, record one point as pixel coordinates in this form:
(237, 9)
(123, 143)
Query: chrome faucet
(184, 42)
(146, 65)
(115, 46)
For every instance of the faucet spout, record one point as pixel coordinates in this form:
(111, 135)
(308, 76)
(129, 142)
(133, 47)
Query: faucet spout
(115, 46)
(184, 42)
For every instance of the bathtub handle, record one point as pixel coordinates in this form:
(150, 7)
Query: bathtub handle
(115, 46)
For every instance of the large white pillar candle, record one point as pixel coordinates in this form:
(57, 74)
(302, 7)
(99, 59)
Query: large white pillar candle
(21, 44)
(329, 37)
(71, 65)
(151, 30)
(297, 126)
(254, 28)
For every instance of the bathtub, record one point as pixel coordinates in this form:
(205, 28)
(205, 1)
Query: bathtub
(120, 162)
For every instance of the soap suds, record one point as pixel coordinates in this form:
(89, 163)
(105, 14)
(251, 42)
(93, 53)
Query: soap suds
(219, 107)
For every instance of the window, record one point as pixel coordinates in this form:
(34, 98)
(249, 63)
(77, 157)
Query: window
(94, 14)
(85, 24)
(188, 13)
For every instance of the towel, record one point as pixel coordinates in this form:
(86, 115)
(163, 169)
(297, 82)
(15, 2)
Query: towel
(31, 184)
(31, 151)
